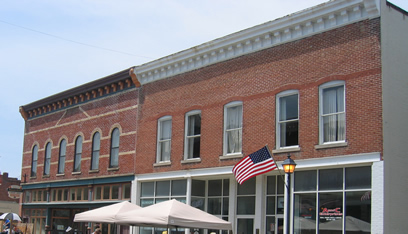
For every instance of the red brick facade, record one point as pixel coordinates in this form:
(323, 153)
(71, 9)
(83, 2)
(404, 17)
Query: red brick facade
(350, 53)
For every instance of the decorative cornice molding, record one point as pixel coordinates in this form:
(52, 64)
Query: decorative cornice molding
(292, 27)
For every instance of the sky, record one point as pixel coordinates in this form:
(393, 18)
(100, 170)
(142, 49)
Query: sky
(49, 46)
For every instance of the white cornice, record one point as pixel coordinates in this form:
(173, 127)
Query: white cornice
(292, 27)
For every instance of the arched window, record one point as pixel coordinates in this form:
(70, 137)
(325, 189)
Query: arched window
(34, 161)
(96, 146)
(114, 151)
(78, 154)
(61, 159)
(47, 159)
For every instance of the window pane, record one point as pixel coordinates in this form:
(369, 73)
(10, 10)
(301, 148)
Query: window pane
(225, 206)
(61, 160)
(233, 129)
(126, 191)
(98, 193)
(165, 130)
(47, 161)
(194, 125)
(78, 154)
(214, 206)
(247, 188)
(226, 187)
(271, 185)
(178, 187)
(106, 192)
(214, 187)
(331, 179)
(34, 161)
(163, 188)
(333, 100)
(114, 157)
(358, 177)
(305, 181)
(331, 212)
(245, 226)
(246, 205)
(305, 213)
(198, 188)
(358, 208)
(95, 151)
(115, 191)
(270, 205)
(288, 107)
(198, 202)
(147, 189)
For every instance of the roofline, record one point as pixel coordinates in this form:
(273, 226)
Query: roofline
(305, 23)
(396, 8)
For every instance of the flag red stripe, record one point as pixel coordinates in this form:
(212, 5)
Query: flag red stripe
(267, 164)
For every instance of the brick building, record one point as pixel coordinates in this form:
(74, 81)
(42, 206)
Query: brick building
(324, 85)
(8, 204)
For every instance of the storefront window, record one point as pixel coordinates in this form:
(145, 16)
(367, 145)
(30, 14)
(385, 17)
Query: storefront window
(275, 204)
(339, 198)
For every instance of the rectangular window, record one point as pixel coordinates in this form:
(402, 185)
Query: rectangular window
(332, 112)
(233, 128)
(164, 139)
(34, 161)
(193, 135)
(287, 119)
(332, 200)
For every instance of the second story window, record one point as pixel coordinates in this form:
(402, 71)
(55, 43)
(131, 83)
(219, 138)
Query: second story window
(114, 152)
(192, 135)
(287, 129)
(164, 139)
(34, 161)
(233, 128)
(47, 159)
(96, 145)
(78, 154)
(61, 159)
(332, 112)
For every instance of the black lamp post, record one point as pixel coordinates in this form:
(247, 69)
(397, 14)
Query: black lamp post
(289, 167)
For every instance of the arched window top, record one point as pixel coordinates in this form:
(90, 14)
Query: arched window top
(115, 137)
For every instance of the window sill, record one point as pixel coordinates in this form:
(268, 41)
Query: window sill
(286, 150)
(191, 160)
(46, 176)
(231, 156)
(331, 145)
(76, 173)
(58, 175)
(94, 171)
(161, 164)
(113, 169)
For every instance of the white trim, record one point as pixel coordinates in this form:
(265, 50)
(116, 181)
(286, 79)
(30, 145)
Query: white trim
(158, 148)
(224, 145)
(186, 125)
(331, 84)
(277, 122)
(305, 23)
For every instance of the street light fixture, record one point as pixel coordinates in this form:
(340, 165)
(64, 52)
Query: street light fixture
(289, 167)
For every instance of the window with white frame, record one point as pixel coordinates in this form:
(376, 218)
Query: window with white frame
(287, 129)
(61, 159)
(78, 154)
(192, 135)
(164, 139)
(34, 161)
(96, 146)
(47, 159)
(332, 112)
(114, 152)
(233, 128)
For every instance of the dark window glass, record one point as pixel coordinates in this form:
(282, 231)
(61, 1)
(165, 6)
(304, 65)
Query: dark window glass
(34, 161)
(114, 156)
(198, 188)
(178, 187)
(96, 144)
(62, 155)
(305, 181)
(331, 179)
(47, 159)
(78, 154)
(163, 188)
(288, 120)
(147, 189)
(358, 177)
(193, 136)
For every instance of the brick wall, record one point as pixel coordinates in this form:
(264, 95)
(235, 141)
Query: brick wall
(350, 53)
(103, 115)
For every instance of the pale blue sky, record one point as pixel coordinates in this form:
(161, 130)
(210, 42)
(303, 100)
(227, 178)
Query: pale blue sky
(49, 46)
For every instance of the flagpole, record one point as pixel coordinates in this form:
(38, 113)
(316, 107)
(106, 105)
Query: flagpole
(283, 179)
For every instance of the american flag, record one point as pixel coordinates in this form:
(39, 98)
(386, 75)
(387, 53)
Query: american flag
(254, 164)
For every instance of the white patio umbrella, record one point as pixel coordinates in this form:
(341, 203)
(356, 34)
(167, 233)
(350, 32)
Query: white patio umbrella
(172, 214)
(10, 216)
(106, 214)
